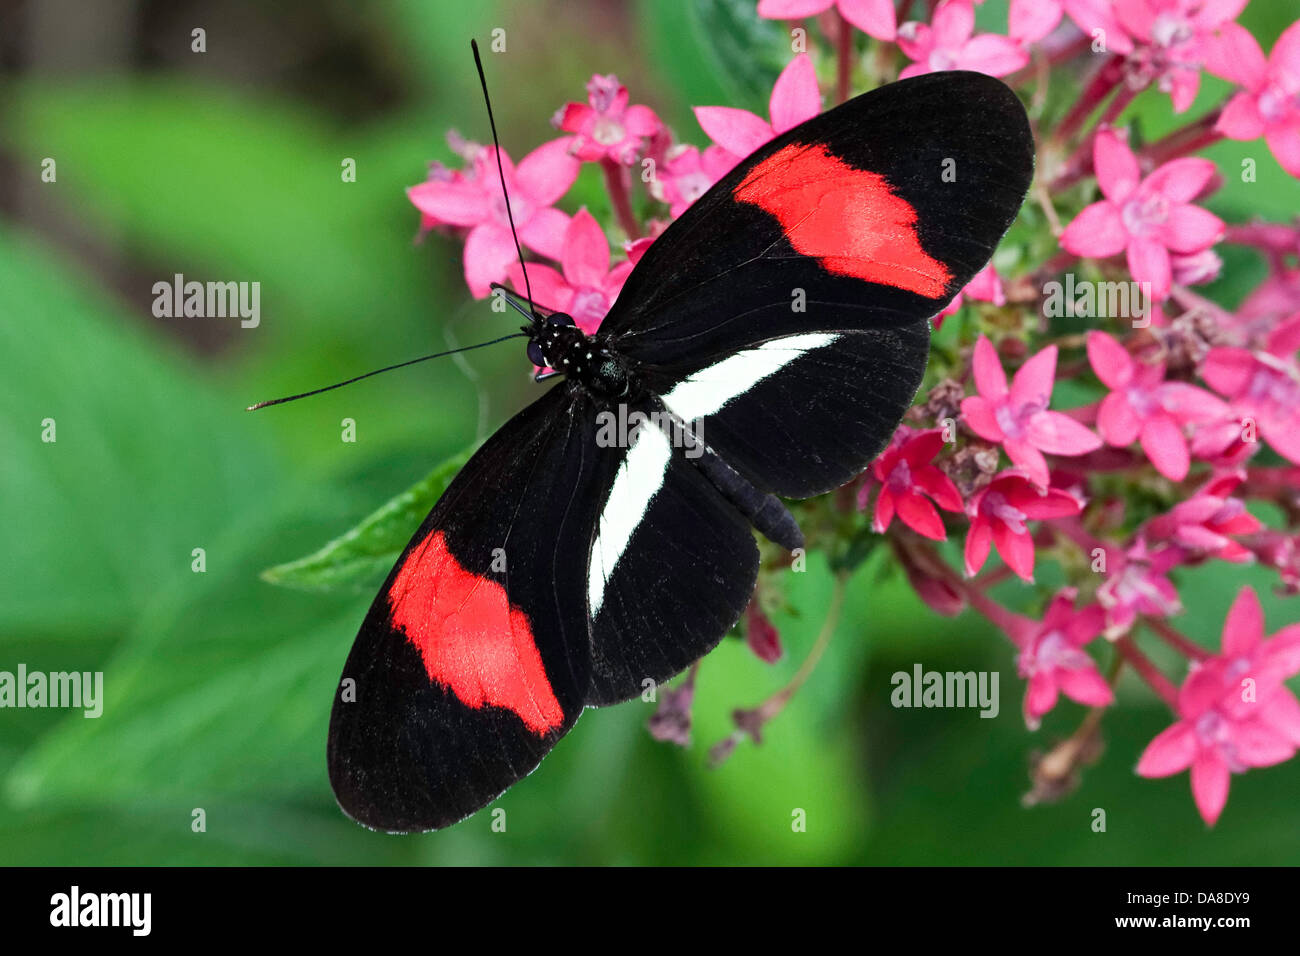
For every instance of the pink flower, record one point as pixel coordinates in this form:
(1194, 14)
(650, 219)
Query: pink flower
(605, 126)
(1177, 35)
(1269, 106)
(1054, 663)
(985, 286)
(873, 17)
(795, 98)
(1144, 406)
(998, 513)
(1235, 712)
(588, 286)
(1204, 522)
(1145, 218)
(1018, 417)
(476, 203)
(1263, 386)
(1136, 583)
(947, 44)
(687, 173)
(1031, 20)
(906, 476)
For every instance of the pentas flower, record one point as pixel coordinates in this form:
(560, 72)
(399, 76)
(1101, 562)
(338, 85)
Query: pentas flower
(1269, 106)
(873, 17)
(1054, 662)
(587, 286)
(606, 127)
(795, 98)
(985, 286)
(1177, 35)
(1031, 20)
(947, 44)
(1263, 386)
(475, 202)
(998, 514)
(1017, 417)
(1144, 406)
(906, 478)
(1205, 522)
(1137, 583)
(1234, 711)
(761, 635)
(1147, 219)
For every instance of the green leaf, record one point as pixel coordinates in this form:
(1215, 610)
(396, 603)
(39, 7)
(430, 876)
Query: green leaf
(358, 560)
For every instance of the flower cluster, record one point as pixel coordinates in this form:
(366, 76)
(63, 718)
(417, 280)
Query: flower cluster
(1173, 439)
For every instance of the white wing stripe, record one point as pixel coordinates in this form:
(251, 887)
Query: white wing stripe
(706, 391)
(639, 479)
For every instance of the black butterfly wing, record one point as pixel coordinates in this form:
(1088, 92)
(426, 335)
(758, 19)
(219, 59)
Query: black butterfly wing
(871, 215)
(474, 658)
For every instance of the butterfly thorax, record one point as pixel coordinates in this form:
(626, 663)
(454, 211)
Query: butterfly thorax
(559, 344)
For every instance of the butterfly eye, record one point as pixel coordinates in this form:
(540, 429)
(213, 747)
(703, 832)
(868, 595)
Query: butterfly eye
(560, 318)
(535, 354)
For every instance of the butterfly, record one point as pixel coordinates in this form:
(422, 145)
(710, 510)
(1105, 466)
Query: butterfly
(766, 346)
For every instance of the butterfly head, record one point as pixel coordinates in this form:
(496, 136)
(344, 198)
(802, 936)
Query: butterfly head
(557, 343)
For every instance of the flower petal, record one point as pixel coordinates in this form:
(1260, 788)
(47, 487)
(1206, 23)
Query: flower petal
(737, 131)
(875, 18)
(992, 54)
(1181, 180)
(489, 250)
(1243, 628)
(1017, 550)
(586, 251)
(1110, 360)
(979, 414)
(1148, 261)
(1284, 142)
(1117, 421)
(1032, 384)
(450, 203)
(1210, 780)
(546, 174)
(795, 96)
(1241, 118)
(1097, 232)
(1117, 168)
(920, 515)
(1191, 229)
(1164, 444)
(544, 232)
(1235, 55)
(1172, 750)
(990, 379)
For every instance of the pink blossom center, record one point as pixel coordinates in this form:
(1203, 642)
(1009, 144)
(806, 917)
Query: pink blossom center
(1171, 29)
(1145, 213)
(1213, 732)
(1014, 420)
(900, 477)
(1276, 106)
(608, 131)
(520, 208)
(1273, 386)
(941, 59)
(995, 505)
(1055, 652)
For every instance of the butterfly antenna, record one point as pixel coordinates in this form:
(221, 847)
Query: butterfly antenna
(528, 289)
(423, 358)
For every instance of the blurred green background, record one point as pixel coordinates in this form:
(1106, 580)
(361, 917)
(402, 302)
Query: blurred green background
(226, 165)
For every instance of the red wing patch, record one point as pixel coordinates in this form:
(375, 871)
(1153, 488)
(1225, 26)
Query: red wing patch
(847, 219)
(472, 641)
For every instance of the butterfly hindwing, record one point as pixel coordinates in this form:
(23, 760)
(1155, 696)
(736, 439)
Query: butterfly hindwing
(474, 658)
(672, 566)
